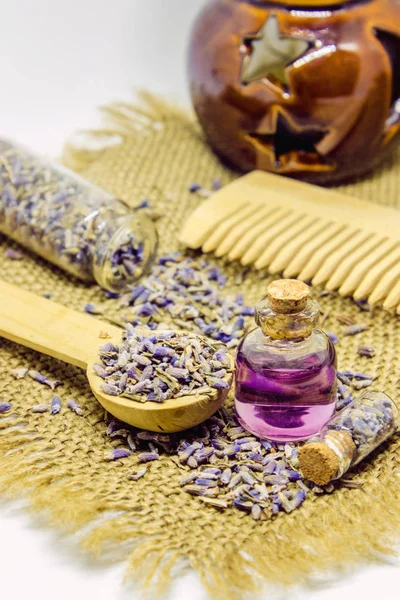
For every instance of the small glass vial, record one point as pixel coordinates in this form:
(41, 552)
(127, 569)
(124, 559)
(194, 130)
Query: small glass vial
(349, 437)
(286, 368)
(71, 222)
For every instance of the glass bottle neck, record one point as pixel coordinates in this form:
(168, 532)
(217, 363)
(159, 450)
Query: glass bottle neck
(292, 326)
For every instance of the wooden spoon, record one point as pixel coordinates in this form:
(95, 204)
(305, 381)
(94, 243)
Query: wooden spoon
(75, 338)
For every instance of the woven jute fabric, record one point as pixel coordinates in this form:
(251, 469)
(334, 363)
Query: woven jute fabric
(57, 463)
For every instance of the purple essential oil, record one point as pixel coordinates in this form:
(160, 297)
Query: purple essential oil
(285, 369)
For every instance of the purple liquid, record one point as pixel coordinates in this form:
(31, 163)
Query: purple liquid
(285, 396)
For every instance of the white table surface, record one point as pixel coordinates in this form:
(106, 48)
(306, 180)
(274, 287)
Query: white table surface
(59, 61)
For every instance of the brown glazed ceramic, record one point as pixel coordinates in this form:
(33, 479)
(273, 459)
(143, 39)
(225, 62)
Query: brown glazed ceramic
(309, 89)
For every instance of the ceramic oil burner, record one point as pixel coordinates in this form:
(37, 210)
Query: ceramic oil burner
(309, 89)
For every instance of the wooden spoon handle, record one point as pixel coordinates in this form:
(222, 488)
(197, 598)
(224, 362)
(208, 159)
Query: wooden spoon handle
(50, 328)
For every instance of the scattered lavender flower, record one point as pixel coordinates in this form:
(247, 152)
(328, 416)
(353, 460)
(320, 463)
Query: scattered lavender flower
(52, 384)
(194, 187)
(143, 204)
(92, 309)
(19, 373)
(145, 457)
(362, 383)
(41, 408)
(13, 254)
(74, 406)
(161, 366)
(117, 453)
(216, 185)
(367, 351)
(363, 305)
(333, 337)
(138, 474)
(55, 405)
(354, 329)
(187, 291)
(5, 407)
(227, 467)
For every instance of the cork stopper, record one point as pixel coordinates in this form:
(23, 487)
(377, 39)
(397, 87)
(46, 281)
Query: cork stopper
(288, 296)
(320, 463)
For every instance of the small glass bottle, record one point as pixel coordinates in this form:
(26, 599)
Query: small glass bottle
(71, 222)
(350, 436)
(286, 368)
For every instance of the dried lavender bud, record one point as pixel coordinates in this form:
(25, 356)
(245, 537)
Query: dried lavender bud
(19, 373)
(363, 305)
(354, 329)
(71, 222)
(117, 453)
(138, 474)
(356, 375)
(216, 185)
(362, 383)
(148, 456)
(256, 512)
(189, 478)
(55, 405)
(74, 406)
(332, 336)
(226, 476)
(210, 483)
(52, 384)
(216, 502)
(366, 351)
(40, 408)
(198, 490)
(13, 254)
(194, 187)
(192, 462)
(343, 378)
(92, 309)
(5, 407)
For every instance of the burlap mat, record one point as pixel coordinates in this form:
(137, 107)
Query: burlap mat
(58, 463)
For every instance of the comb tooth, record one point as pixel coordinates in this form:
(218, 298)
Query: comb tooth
(205, 219)
(223, 229)
(376, 273)
(393, 298)
(348, 263)
(332, 262)
(263, 241)
(318, 258)
(309, 245)
(384, 286)
(255, 232)
(280, 241)
(264, 215)
(353, 280)
(292, 248)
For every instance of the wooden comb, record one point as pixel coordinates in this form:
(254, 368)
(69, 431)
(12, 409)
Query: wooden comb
(303, 231)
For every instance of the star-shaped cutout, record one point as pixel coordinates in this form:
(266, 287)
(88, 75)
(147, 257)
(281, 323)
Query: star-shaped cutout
(270, 53)
(290, 143)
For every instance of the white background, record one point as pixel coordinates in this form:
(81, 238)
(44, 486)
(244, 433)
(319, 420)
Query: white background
(58, 62)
